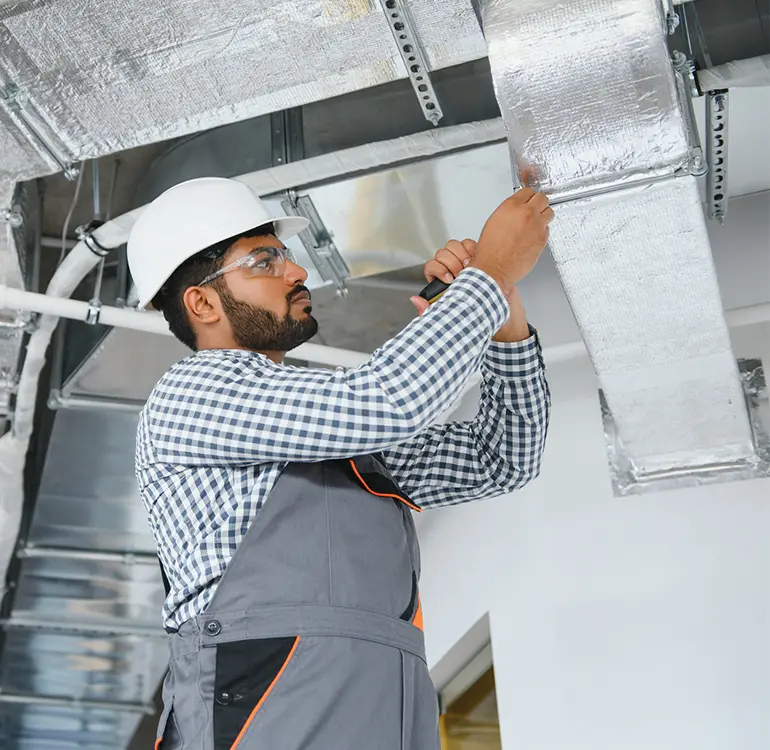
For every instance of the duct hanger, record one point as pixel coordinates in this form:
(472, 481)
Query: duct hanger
(317, 241)
(717, 104)
(402, 28)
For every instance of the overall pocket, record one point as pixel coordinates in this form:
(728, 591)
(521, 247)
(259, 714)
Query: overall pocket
(246, 673)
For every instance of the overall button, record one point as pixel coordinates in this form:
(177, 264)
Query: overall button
(213, 628)
(224, 699)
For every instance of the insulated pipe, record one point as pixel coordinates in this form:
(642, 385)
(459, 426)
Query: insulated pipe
(753, 71)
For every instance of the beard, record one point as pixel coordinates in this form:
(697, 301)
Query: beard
(262, 330)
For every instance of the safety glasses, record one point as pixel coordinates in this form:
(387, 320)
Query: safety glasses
(263, 261)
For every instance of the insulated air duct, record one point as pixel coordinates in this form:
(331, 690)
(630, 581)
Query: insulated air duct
(78, 82)
(589, 97)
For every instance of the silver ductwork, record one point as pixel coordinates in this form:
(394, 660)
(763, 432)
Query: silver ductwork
(115, 76)
(589, 97)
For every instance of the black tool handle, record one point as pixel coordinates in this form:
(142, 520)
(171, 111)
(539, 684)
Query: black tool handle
(434, 290)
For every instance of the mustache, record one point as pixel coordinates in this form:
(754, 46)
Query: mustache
(296, 292)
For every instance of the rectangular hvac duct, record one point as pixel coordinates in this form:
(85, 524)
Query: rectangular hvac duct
(109, 75)
(588, 95)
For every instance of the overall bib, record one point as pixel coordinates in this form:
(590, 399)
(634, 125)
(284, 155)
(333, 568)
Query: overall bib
(313, 640)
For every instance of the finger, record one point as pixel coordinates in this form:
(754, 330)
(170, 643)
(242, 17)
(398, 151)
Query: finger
(528, 173)
(458, 250)
(548, 214)
(436, 270)
(420, 304)
(449, 258)
(470, 247)
(524, 195)
(540, 202)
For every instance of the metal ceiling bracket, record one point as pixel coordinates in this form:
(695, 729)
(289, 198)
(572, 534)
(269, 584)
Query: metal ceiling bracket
(16, 102)
(318, 242)
(94, 311)
(717, 109)
(672, 22)
(85, 234)
(32, 551)
(410, 49)
(93, 402)
(24, 322)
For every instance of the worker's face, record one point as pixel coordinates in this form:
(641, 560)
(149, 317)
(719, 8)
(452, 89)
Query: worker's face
(266, 313)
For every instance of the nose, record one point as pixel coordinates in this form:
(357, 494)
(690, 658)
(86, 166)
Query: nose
(294, 274)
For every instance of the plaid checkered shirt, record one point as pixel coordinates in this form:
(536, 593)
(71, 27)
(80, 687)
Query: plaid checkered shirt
(221, 425)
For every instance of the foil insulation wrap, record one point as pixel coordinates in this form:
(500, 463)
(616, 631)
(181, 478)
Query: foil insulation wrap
(586, 90)
(107, 76)
(637, 268)
(588, 96)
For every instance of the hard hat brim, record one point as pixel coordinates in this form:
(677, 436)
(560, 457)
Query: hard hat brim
(286, 227)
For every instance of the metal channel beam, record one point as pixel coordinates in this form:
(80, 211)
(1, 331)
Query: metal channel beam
(74, 703)
(116, 627)
(90, 555)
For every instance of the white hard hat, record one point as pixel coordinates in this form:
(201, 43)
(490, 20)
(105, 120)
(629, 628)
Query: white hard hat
(190, 217)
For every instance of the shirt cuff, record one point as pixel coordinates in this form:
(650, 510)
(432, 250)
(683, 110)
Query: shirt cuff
(516, 359)
(483, 292)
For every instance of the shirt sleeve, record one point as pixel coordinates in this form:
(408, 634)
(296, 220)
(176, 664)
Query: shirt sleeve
(499, 451)
(228, 407)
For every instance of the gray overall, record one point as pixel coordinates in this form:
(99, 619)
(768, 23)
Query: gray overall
(313, 640)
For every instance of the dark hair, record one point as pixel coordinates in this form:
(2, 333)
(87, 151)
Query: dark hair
(170, 299)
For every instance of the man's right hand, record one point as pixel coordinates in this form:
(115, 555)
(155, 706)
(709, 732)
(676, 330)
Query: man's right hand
(513, 238)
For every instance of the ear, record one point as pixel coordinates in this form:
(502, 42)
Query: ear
(202, 305)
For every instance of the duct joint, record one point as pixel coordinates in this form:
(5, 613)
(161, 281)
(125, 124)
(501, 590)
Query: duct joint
(687, 89)
(17, 103)
(627, 480)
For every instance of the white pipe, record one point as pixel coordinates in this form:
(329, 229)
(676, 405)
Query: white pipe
(747, 316)
(153, 322)
(752, 71)
(63, 307)
(55, 243)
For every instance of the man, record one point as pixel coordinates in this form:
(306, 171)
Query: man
(280, 498)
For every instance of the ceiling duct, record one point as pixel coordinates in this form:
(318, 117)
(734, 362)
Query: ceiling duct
(589, 97)
(79, 82)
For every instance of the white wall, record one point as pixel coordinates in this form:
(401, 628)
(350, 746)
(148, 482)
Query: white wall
(616, 624)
